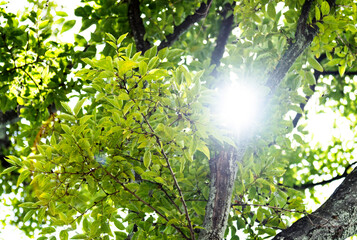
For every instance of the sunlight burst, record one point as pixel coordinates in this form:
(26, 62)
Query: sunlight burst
(238, 106)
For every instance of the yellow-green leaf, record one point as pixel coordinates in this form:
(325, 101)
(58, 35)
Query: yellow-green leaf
(68, 25)
(66, 129)
(23, 175)
(342, 69)
(315, 64)
(317, 13)
(147, 158)
(325, 8)
(28, 215)
(61, 14)
(9, 170)
(64, 235)
(78, 106)
(43, 24)
(310, 78)
(66, 107)
(271, 10)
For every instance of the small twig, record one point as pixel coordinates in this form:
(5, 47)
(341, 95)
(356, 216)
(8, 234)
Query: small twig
(144, 202)
(173, 176)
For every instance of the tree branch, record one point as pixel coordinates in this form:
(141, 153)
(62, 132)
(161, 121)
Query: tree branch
(335, 219)
(224, 32)
(312, 184)
(137, 26)
(351, 73)
(304, 35)
(200, 13)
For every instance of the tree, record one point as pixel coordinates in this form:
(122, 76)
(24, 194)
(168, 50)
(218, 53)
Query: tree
(141, 154)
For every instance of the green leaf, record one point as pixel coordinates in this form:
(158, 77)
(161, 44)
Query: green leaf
(310, 78)
(325, 8)
(80, 40)
(28, 215)
(66, 107)
(14, 160)
(43, 24)
(65, 116)
(118, 224)
(66, 129)
(204, 149)
(299, 139)
(163, 53)
(317, 13)
(315, 64)
(63, 235)
(79, 236)
(111, 37)
(342, 69)
(123, 96)
(47, 230)
(121, 38)
(68, 25)
(28, 205)
(143, 67)
(78, 106)
(151, 52)
(271, 10)
(152, 63)
(61, 14)
(147, 158)
(9, 170)
(23, 175)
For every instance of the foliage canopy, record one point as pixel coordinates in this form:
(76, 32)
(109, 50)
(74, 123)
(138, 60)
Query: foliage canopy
(141, 153)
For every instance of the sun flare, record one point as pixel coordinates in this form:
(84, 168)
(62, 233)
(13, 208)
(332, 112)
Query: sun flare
(237, 106)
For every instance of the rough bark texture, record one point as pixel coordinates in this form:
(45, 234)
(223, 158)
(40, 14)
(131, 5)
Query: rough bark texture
(224, 32)
(136, 25)
(303, 37)
(335, 219)
(223, 173)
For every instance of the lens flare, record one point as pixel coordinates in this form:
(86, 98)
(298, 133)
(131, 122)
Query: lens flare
(237, 106)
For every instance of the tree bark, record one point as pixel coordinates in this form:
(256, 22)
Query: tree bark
(223, 173)
(335, 219)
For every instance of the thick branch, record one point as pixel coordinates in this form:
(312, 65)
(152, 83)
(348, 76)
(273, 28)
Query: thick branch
(137, 26)
(312, 184)
(303, 37)
(224, 32)
(351, 73)
(200, 13)
(335, 219)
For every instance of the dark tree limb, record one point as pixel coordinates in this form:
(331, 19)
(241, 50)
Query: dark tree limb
(137, 26)
(336, 219)
(224, 32)
(304, 35)
(200, 13)
(351, 73)
(312, 184)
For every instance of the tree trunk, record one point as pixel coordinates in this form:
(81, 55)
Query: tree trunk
(223, 174)
(335, 219)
